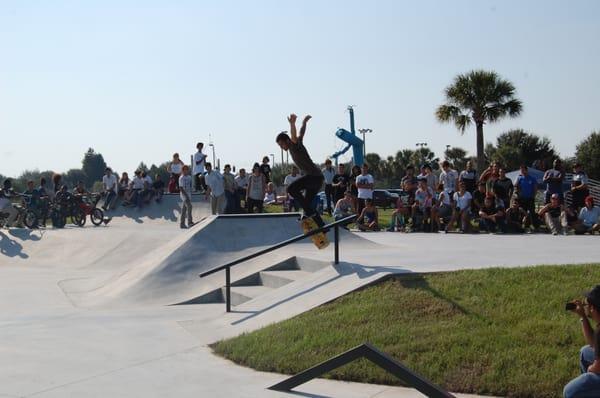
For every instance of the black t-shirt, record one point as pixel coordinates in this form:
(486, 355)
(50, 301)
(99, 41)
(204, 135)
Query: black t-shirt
(515, 216)
(158, 185)
(343, 180)
(478, 198)
(502, 187)
(489, 210)
(265, 169)
(554, 211)
(302, 159)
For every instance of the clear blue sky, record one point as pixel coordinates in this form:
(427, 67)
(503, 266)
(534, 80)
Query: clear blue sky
(139, 80)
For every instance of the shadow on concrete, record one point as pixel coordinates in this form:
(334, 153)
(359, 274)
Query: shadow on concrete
(306, 394)
(10, 247)
(343, 269)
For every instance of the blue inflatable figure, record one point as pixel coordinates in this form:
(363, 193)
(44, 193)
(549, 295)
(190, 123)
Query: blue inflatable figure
(352, 140)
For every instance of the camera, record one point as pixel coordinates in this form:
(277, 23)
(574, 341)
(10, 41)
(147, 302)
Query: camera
(570, 306)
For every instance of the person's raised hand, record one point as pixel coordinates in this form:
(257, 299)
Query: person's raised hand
(579, 308)
(306, 119)
(292, 118)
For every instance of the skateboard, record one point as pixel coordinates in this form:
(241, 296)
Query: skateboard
(320, 240)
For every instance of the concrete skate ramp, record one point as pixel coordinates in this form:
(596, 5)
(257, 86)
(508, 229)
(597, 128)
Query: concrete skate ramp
(167, 211)
(169, 274)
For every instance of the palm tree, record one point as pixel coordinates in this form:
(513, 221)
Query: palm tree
(480, 97)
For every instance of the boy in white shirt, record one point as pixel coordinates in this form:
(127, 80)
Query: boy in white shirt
(198, 171)
(364, 183)
(110, 187)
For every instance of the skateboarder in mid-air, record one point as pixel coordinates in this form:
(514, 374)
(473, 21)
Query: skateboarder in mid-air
(312, 180)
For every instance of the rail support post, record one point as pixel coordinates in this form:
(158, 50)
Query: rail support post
(228, 289)
(336, 249)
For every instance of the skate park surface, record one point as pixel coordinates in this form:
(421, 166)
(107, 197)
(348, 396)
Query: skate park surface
(97, 311)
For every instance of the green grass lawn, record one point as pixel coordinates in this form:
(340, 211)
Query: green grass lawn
(497, 331)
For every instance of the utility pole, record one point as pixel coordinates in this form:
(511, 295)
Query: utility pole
(421, 144)
(272, 155)
(364, 132)
(212, 145)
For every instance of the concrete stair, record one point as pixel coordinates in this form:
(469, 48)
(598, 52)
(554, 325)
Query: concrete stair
(272, 277)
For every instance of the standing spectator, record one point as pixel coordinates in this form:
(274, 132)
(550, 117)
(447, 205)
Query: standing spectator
(328, 174)
(6, 205)
(257, 186)
(515, 218)
(44, 201)
(462, 211)
(491, 215)
(503, 187)
(364, 184)
(409, 183)
(265, 169)
(489, 177)
(230, 188)
(369, 217)
(109, 187)
(185, 192)
(198, 168)
(421, 209)
(340, 183)
(287, 181)
(344, 207)
(354, 172)
(241, 183)
(427, 173)
(158, 186)
(587, 384)
(526, 188)
(216, 189)
(554, 182)
(175, 168)
(579, 187)
(448, 178)
(588, 217)
(469, 177)
(554, 215)
(57, 184)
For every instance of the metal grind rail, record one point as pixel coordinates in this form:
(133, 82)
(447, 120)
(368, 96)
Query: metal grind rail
(336, 253)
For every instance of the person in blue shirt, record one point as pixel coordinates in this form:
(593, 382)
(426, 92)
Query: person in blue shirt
(526, 188)
(554, 182)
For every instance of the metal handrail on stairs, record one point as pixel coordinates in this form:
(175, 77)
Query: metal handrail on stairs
(227, 267)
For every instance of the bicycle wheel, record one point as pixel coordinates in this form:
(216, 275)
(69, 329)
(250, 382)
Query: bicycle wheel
(78, 217)
(30, 219)
(96, 216)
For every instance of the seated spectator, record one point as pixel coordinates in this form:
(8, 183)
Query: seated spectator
(158, 187)
(6, 206)
(344, 207)
(515, 218)
(554, 215)
(271, 195)
(588, 217)
(400, 215)
(147, 192)
(369, 218)
(441, 212)
(491, 215)
(478, 198)
(587, 384)
(124, 184)
(421, 209)
(462, 210)
(137, 187)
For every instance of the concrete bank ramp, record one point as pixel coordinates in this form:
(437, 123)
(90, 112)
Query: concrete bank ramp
(169, 274)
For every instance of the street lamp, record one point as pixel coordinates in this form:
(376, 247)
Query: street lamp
(272, 155)
(283, 132)
(363, 132)
(421, 144)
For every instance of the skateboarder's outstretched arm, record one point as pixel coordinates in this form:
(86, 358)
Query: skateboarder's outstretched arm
(303, 128)
(293, 133)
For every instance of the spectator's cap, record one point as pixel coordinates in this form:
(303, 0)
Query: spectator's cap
(593, 296)
(589, 200)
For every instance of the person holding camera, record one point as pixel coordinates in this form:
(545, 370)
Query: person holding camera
(588, 383)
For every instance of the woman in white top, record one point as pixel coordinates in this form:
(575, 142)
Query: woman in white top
(175, 168)
(462, 209)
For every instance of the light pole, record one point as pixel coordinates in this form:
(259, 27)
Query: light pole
(283, 132)
(421, 144)
(363, 132)
(272, 155)
(213, 151)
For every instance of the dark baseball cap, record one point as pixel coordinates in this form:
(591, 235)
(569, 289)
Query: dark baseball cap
(593, 296)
